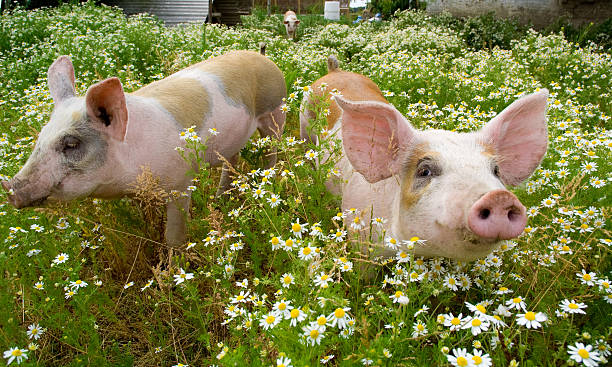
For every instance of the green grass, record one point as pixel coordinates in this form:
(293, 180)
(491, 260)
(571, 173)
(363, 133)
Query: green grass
(431, 74)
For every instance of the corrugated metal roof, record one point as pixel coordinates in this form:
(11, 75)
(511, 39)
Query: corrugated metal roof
(172, 12)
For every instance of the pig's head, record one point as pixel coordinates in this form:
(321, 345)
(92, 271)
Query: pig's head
(291, 25)
(452, 186)
(70, 158)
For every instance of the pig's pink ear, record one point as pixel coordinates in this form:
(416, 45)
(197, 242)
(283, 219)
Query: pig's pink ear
(375, 136)
(519, 137)
(106, 106)
(61, 79)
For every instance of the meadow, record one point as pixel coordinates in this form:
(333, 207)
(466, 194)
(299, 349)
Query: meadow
(270, 275)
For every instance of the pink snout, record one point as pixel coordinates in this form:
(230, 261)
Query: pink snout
(497, 215)
(19, 199)
(11, 196)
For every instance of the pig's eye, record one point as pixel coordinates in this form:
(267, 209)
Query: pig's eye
(496, 170)
(424, 172)
(70, 144)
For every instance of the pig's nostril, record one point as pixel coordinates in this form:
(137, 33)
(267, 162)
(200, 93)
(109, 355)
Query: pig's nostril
(513, 214)
(484, 214)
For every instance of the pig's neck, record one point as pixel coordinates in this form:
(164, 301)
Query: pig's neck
(150, 142)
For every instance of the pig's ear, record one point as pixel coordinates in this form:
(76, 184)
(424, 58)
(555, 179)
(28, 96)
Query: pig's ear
(61, 79)
(518, 137)
(106, 107)
(297, 22)
(375, 136)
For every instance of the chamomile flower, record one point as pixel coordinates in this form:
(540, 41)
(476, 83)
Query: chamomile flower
(477, 324)
(454, 322)
(283, 308)
(322, 279)
(147, 285)
(339, 317)
(287, 280)
(298, 228)
(578, 352)
(39, 286)
(312, 335)
(296, 315)
(530, 319)
(61, 258)
(480, 360)
(182, 276)
(459, 358)
(274, 200)
(78, 284)
(306, 253)
(572, 306)
(517, 303)
(327, 358)
(270, 320)
(587, 278)
(399, 297)
(15, 354)
(35, 331)
(419, 329)
(283, 362)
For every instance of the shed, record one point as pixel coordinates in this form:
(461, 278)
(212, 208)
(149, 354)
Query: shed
(173, 12)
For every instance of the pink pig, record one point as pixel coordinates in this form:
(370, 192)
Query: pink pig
(97, 145)
(291, 24)
(444, 187)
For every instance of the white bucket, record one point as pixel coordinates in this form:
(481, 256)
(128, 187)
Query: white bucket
(332, 10)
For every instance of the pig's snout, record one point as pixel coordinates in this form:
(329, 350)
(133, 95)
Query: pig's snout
(11, 195)
(19, 199)
(497, 215)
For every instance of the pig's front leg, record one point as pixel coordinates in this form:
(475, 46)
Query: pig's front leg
(177, 212)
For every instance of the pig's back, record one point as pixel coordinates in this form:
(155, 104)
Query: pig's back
(352, 86)
(248, 78)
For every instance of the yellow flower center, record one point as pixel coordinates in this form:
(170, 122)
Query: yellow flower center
(295, 313)
(530, 316)
(306, 251)
(356, 220)
(455, 321)
(586, 277)
(296, 227)
(583, 353)
(414, 239)
(451, 281)
(476, 322)
(403, 255)
(282, 306)
(322, 320)
(339, 313)
(324, 277)
(314, 333)
(573, 306)
(503, 289)
(462, 361)
(270, 319)
(16, 353)
(481, 309)
(477, 360)
(398, 294)
(420, 327)
(517, 300)
(393, 241)
(287, 279)
(275, 240)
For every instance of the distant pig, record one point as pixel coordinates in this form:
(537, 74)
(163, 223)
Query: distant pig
(99, 144)
(443, 187)
(291, 24)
